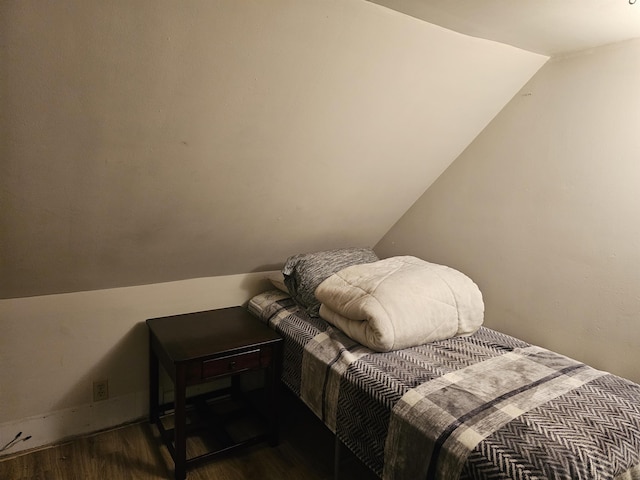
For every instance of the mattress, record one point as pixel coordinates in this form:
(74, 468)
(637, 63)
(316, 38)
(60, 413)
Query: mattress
(485, 406)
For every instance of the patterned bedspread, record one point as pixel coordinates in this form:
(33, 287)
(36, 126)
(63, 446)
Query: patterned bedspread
(487, 406)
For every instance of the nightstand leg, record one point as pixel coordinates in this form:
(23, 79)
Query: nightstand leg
(153, 385)
(180, 424)
(273, 384)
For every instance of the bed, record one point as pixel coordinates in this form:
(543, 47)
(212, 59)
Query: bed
(476, 406)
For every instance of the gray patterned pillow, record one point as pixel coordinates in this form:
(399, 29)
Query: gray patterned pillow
(304, 272)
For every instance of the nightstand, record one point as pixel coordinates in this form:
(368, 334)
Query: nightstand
(201, 347)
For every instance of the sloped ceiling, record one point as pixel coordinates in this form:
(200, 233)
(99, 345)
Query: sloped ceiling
(549, 27)
(152, 141)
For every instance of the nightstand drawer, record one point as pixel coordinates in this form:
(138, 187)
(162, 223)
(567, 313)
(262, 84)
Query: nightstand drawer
(231, 364)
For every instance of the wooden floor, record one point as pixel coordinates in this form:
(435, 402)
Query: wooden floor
(134, 452)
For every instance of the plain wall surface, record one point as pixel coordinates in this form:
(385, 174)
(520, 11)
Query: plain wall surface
(542, 210)
(149, 141)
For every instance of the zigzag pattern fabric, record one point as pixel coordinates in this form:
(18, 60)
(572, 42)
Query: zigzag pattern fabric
(593, 424)
(483, 407)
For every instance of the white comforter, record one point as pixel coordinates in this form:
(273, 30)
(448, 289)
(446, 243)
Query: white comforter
(401, 302)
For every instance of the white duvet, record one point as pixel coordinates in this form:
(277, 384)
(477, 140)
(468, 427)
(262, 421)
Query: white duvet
(401, 302)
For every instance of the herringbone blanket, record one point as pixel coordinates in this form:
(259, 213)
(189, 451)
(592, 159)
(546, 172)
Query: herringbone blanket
(487, 406)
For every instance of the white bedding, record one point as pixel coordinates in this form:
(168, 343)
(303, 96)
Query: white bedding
(401, 302)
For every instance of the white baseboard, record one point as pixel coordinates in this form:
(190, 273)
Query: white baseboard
(55, 427)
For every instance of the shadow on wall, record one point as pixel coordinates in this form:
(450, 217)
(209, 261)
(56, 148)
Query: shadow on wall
(125, 369)
(251, 285)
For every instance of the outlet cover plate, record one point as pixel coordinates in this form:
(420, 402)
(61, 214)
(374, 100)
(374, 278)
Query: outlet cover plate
(100, 390)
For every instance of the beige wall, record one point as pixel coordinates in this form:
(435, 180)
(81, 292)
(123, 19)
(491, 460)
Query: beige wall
(155, 140)
(542, 211)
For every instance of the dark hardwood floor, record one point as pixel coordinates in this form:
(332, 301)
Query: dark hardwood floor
(134, 452)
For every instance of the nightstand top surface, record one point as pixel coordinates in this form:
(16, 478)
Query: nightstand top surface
(193, 335)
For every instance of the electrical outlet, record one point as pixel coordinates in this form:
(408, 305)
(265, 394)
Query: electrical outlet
(100, 390)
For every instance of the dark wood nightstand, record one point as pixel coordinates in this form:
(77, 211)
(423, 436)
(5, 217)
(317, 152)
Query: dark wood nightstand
(196, 348)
